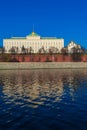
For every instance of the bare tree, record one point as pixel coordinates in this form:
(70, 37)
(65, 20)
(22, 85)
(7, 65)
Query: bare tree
(53, 50)
(31, 50)
(3, 50)
(64, 51)
(23, 50)
(42, 50)
(12, 50)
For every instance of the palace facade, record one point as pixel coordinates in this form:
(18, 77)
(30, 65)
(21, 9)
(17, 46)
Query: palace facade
(33, 43)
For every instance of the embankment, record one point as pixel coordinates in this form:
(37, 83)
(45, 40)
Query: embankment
(42, 65)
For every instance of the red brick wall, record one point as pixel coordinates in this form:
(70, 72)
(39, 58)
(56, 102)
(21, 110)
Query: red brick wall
(40, 58)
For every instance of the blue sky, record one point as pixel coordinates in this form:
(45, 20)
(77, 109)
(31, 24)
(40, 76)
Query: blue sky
(59, 18)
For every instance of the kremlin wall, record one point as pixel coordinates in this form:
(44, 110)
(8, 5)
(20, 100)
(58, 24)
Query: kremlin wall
(43, 58)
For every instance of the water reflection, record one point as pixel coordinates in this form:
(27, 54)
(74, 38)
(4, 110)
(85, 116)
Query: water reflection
(35, 87)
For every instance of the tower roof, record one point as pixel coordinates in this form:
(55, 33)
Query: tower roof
(33, 34)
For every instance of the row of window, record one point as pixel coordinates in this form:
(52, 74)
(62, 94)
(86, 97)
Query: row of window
(17, 43)
(34, 45)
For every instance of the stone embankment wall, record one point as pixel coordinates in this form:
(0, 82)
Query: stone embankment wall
(42, 65)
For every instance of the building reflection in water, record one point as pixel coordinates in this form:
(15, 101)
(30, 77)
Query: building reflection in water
(35, 87)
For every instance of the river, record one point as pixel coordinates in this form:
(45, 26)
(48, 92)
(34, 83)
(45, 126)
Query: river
(43, 99)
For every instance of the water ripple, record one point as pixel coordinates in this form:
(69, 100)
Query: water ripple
(43, 99)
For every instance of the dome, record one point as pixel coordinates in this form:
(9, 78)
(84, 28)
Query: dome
(33, 34)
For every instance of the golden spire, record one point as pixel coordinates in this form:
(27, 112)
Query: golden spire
(33, 27)
(33, 30)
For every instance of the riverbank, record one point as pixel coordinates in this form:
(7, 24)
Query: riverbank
(42, 65)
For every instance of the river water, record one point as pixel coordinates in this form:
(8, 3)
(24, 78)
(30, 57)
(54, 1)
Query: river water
(43, 99)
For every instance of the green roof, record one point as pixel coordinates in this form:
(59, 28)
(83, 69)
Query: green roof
(50, 38)
(33, 34)
(18, 38)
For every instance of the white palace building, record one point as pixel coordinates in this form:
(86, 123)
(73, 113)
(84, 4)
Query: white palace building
(33, 43)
